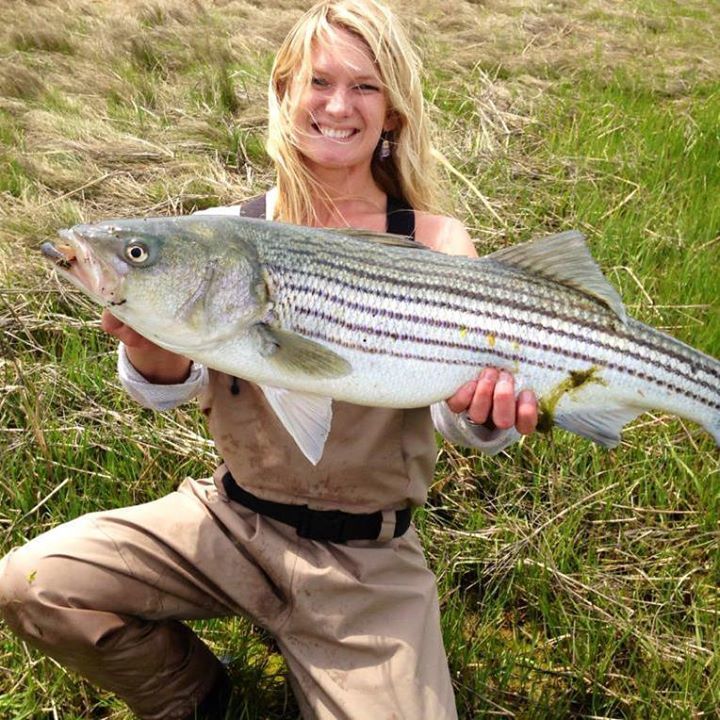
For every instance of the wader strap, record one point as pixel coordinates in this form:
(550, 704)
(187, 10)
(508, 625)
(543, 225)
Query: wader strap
(400, 218)
(254, 208)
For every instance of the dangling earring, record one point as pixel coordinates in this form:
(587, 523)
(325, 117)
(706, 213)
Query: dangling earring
(384, 147)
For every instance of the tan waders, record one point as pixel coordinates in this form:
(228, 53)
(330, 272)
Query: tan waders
(358, 622)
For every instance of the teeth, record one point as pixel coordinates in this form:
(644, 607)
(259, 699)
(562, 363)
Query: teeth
(336, 134)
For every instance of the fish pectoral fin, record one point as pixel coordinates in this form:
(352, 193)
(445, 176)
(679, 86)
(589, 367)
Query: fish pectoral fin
(306, 417)
(294, 353)
(566, 259)
(602, 426)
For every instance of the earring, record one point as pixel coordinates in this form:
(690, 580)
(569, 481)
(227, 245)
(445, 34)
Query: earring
(384, 147)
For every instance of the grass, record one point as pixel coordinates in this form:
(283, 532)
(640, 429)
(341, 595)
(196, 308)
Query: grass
(574, 582)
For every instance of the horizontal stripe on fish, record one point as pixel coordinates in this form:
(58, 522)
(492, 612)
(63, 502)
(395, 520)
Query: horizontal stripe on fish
(479, 355)
(630, 345)
(420, 265)
(592, 352)
(593, 318)
(464, 280)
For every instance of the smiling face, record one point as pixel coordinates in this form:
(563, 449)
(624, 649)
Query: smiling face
(342, 109)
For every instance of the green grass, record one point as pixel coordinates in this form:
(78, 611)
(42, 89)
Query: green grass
(574, 582)
(640, 173)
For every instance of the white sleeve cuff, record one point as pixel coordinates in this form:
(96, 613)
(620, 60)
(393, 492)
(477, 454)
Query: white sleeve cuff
(457, 429)
(159, 397)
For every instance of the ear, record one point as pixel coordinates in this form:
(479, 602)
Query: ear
(392, 122)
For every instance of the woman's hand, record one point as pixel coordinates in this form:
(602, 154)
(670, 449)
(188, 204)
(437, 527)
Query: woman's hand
(154, 363)
(492, 398)
(132, 339)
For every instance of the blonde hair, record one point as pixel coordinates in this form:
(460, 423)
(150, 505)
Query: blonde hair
(409, 171)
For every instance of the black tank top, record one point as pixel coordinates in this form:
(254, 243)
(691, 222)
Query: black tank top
(400, 216)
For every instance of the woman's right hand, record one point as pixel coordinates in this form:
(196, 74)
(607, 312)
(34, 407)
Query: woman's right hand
(131, 338)
(154, 363)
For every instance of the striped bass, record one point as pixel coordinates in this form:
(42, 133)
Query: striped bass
(313, 315)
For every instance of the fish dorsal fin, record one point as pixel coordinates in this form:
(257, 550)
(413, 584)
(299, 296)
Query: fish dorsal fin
(296, 354)
(380, 238)
(566, 259)
(306, 417)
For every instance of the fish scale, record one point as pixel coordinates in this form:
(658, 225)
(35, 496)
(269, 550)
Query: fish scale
(378, 321)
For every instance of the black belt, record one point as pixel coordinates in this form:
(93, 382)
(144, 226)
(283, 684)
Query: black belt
(330, 525)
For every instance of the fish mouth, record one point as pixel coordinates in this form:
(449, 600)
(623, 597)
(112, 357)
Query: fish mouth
(76, 262)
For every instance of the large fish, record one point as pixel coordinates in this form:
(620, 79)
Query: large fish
(376, 320)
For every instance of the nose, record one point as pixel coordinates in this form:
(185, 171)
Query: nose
(338, 103)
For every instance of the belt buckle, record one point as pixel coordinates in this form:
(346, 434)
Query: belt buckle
(325, 525)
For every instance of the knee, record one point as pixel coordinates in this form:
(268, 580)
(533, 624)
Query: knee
(18, 573)
(23, 603)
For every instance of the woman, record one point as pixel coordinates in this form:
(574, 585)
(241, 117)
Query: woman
(321, 556)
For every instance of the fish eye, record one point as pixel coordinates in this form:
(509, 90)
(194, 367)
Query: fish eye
(137, 252)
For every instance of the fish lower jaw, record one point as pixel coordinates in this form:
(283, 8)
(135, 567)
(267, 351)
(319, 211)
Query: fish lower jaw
(105, 294)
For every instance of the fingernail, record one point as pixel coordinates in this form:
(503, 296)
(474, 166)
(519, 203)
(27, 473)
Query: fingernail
(505, 376)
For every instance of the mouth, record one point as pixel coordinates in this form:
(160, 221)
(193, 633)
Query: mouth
(63, 256)
(339, 134)
(75, 261)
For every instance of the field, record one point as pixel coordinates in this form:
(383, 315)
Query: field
(575, 582)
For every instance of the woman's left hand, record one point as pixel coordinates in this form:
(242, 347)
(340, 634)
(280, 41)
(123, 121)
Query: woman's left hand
(492, 397)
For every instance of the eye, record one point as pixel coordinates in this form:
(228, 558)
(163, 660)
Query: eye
(367, 87)
(319, 82)
(137, 252)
